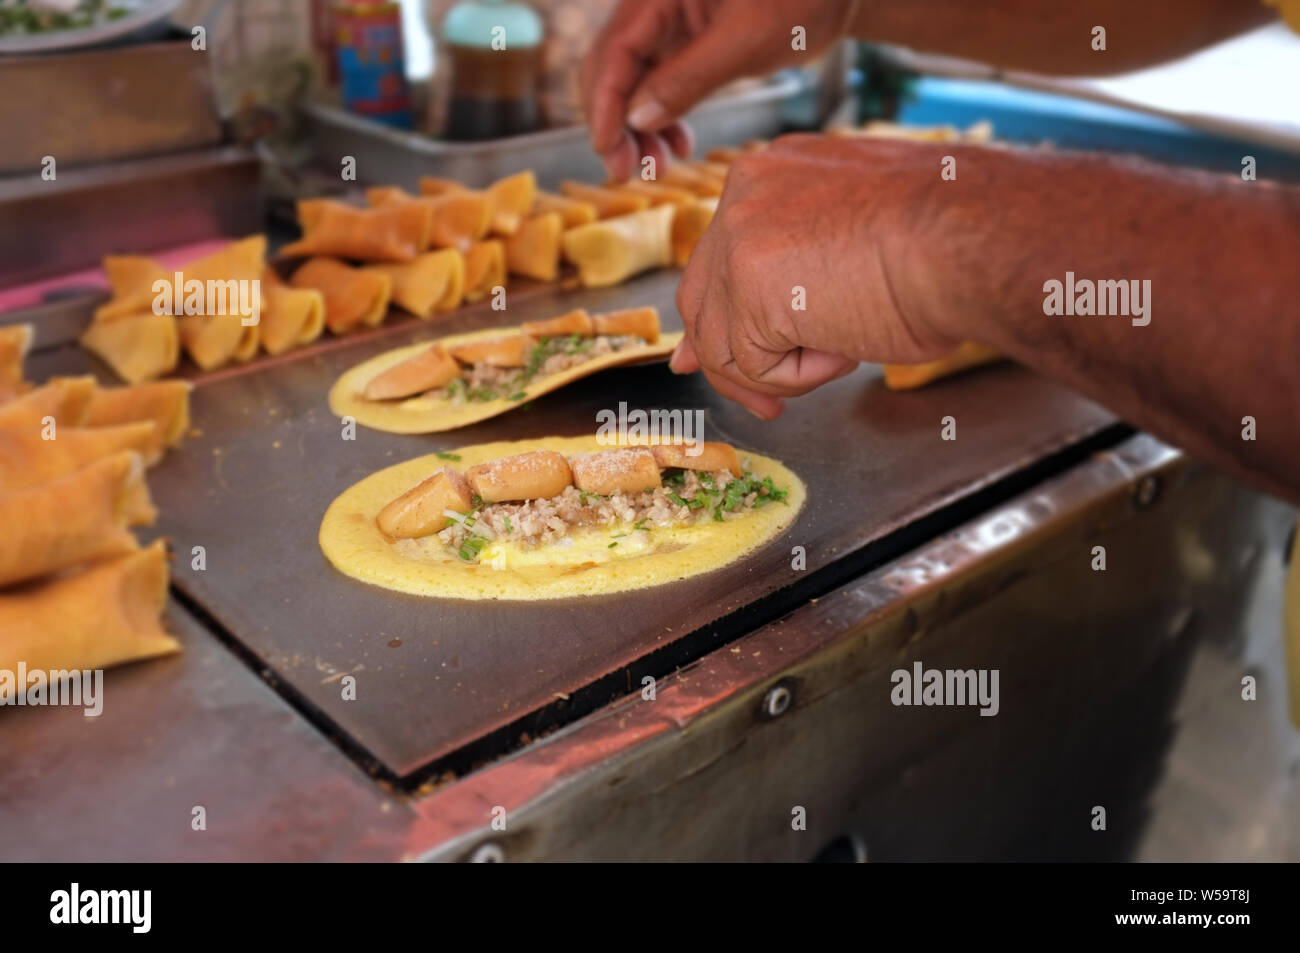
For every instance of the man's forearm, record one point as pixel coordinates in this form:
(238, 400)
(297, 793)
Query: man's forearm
(1057, 37)
(1213, 339)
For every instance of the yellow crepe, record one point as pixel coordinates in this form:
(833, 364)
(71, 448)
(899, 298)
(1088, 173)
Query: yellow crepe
(659, 193)
(353, 543)
(15, 341)
(131, 279)
(574, 211)
(422, 414)
(212, 340)
(455, 218)
(608, 203)
(512, 200)
(689, 225)
(534, 249)
(614, 249)
(291, 317)
(392, 232)
(74, 519)
(66, 399)
(138, 347)
(353, 297)
(27, 459)
(104, 615)
(166, 403)
(911, 376)
(434, 282)
(706, 180)
(485, 268)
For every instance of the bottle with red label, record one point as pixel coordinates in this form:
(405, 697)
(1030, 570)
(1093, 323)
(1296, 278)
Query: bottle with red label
(372, 68)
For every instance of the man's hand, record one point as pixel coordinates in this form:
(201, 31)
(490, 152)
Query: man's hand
(816, 260)
(656, 59)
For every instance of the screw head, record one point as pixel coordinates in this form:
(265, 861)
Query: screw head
(1148, 489)
(488, 853)
(777, 701)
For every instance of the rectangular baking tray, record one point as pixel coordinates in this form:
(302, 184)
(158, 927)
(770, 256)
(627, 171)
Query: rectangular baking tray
(393, 156)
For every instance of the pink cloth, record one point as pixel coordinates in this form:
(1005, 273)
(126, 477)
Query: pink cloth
(30, 295)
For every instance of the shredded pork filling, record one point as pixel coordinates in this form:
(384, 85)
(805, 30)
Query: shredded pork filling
(687, 497)
(550, 356)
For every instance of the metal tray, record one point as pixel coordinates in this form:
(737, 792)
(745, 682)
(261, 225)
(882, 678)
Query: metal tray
(435, 677)
(385, 155)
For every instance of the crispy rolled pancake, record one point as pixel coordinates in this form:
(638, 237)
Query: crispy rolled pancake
(485, 268)
(166, 403)
(700, 179)
(422, 509)
(574, 211)
(659, 193)
(512, 200)
(15, 341)
(641, 322)
(354, 297)
(104, 615)
(421, 414)
(689, 225)
(608, 203)
(705, 456)
(533, 251)
(724, 155)
(66, 399)
(131, 280)
(455, 218)
(395, 232)
(217, 339)
(620, 470)
(352, 541)
(291, 317)
(76, 518)
(434, 185)
(431, 284)
(577, 321)
(138, 347)
(911, 376)
(534, 475)
(611, 250)
(509, 351)
(428, 368)
(27, 459)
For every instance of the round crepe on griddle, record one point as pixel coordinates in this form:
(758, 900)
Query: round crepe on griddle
(584, 563)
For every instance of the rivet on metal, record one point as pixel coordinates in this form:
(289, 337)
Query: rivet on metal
(777, 701)
(488, 853)
(1148, 489)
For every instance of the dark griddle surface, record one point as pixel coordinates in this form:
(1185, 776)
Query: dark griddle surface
(252, 487)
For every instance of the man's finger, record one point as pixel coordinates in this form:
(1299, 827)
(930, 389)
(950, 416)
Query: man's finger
(616, 65)
(683, 79)
(620, 159)
(764, 406)
(795, 372)
(684, 360)
(680, 138)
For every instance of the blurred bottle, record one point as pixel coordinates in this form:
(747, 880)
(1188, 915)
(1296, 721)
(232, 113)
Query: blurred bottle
(372, 70)
(493, 51)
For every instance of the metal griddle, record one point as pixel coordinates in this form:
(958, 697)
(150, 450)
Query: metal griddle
(436, 676)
